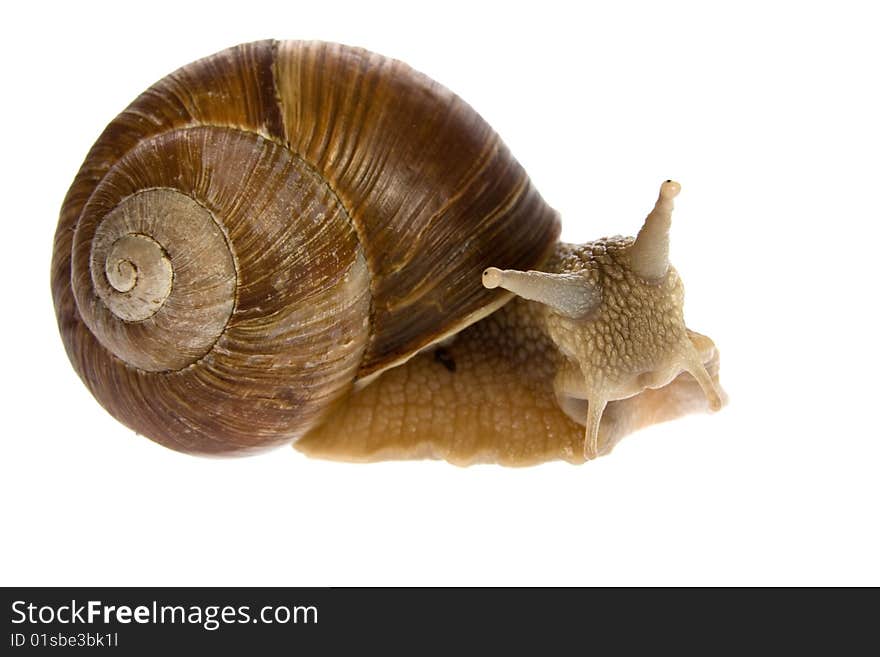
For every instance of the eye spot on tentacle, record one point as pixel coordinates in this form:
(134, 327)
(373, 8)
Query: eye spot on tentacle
(492, 278)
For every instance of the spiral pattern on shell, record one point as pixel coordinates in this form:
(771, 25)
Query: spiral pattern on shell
(263, 227)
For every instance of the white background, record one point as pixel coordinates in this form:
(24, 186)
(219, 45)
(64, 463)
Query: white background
(769, 116)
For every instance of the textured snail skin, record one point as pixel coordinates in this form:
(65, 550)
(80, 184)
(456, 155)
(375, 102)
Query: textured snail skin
(492, 395)
(303, 242)
(594, 347)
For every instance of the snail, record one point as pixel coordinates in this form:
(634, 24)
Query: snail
(308, 243)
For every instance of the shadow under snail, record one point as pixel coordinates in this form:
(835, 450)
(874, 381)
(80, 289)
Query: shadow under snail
(306, 242)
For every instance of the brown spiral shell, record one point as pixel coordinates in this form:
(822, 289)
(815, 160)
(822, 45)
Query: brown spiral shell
(265, 226)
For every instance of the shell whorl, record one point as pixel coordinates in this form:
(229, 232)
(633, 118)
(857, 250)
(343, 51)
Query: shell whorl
(239, 295)
(148, 259)
(264, 226)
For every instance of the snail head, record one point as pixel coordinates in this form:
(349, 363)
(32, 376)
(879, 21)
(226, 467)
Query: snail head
(615, 310)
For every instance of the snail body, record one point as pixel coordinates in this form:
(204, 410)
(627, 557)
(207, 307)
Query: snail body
(269, 243)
